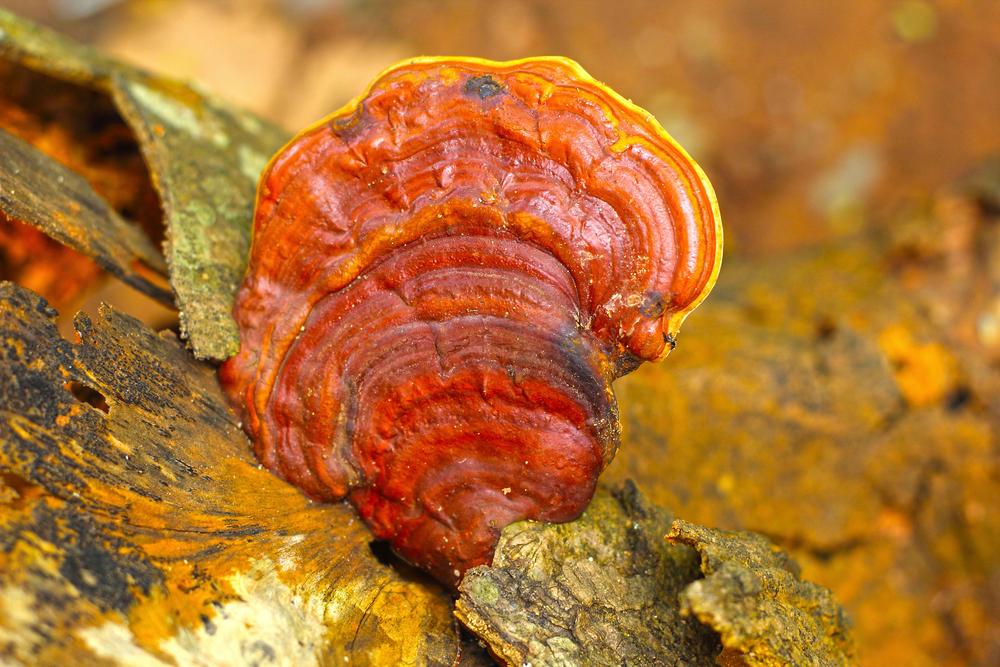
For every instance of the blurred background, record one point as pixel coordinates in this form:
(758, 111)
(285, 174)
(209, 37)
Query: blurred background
(809, 117)
(859, 432)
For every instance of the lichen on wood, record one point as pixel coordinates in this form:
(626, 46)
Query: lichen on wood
(204, 159)
(136, 527)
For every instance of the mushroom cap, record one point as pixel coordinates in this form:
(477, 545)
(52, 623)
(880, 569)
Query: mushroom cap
(445, 277)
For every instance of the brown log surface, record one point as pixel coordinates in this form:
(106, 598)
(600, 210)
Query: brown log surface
(136, 527)
(37, 190)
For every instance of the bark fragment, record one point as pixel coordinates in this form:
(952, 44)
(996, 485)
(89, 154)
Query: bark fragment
(598, 591)
(753, 597)
(37, 190)
(608, 589)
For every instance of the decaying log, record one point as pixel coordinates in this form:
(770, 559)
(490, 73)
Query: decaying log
(137, 528)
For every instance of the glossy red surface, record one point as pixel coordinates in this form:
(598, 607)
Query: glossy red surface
(444, 281)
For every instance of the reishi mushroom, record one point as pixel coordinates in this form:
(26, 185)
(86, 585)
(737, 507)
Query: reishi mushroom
(445, 277)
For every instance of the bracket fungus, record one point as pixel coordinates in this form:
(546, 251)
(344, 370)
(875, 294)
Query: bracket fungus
(445, 277)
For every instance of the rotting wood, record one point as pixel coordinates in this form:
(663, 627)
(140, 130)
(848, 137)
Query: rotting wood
(136, 527)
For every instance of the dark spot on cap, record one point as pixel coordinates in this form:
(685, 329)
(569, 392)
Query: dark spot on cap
(483, 86)
(670, 340)
(347, 126)
(652, 305)
(592, 388)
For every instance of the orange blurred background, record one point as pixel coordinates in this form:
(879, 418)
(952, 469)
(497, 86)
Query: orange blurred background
(810, 118)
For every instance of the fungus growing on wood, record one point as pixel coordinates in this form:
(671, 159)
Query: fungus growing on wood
(445, 277)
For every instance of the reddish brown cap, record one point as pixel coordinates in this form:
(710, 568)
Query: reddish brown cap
(445, 277)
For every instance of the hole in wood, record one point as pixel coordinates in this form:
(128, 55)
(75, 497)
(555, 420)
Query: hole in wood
(87, 394)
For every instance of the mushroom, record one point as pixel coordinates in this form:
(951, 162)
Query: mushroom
(445, 277)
